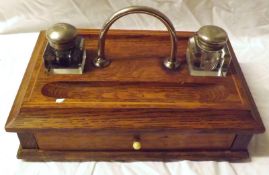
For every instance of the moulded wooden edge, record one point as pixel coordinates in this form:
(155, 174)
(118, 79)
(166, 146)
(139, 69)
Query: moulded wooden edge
(218, 155)
(31, 124)
(254, 109)
(15, 109)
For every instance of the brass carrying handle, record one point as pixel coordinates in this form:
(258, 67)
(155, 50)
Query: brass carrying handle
(170, 63)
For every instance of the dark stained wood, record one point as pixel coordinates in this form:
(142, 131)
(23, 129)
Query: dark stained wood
(135, 95)
(123, 141)
(27, 140)
(241, 142)
(41, 155)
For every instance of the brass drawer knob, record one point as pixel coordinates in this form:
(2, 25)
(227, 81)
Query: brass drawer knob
(137, 145)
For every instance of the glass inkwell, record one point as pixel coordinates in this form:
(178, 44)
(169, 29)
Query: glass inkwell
(65, 53)
(207, 53)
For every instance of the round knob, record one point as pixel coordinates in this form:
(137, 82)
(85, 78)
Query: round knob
(211, 38)
(137, 145)
(61, 36)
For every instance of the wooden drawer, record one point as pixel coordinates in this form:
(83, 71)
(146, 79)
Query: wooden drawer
(124, 141)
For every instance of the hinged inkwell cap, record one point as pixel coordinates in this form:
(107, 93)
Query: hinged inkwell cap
(207, 52)
(61, 36)
(211, 38)
(65, 53)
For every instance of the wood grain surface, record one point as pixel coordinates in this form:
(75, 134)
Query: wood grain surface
(135, 95)
(41, 155)
(134, 83)
(124, 141)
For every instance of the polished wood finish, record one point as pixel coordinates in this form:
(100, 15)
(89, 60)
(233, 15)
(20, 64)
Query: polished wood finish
(27, 140)
(241, 142)
(106, 109)
(114, 141)
(41, 155)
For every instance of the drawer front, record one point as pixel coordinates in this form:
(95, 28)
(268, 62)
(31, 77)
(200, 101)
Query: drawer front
(125, 141)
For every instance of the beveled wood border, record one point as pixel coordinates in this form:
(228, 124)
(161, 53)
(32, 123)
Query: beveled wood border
(45, 155)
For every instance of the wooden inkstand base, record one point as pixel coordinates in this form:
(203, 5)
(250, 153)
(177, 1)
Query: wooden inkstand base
(134, 109)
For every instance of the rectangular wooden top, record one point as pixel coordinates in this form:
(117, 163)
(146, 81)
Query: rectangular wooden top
(134, 92)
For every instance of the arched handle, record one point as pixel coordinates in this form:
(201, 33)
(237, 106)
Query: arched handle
(170, 63)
